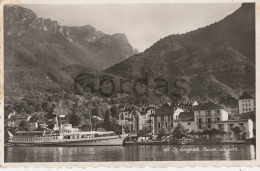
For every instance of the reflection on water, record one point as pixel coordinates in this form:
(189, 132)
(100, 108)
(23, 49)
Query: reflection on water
(130, 153)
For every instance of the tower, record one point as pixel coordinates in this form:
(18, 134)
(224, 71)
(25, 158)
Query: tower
(246, 103)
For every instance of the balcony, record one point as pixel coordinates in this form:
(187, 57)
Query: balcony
(199, 122)
(216, 114)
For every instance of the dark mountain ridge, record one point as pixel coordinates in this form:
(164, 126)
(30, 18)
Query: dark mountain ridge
(100, 50)
(211, 62)
(42, 55)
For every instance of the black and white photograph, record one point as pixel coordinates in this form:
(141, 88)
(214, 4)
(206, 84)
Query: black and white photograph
(128, 82)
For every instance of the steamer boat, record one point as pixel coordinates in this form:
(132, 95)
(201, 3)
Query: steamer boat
(65, 135)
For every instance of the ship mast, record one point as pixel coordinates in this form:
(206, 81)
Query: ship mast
(90, 114)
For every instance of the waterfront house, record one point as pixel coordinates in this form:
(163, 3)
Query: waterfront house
(235, 129)
(163, 118)
(246, 103)
(206, 114)
(126, 117)
(233, 110)
(144, 117)
(186, 119)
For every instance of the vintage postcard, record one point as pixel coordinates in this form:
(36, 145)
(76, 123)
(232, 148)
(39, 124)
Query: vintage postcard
(129, 83)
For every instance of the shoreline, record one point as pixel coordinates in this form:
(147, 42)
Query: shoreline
(246, 142)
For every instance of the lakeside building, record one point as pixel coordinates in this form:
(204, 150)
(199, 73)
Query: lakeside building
(144, 117)
(244, 126)
(206, 114)
(211, 115)
(135, 118)
(233, 110)
(186, 119)
(163, 118)
(126, 117)
(246, 103)
(167, 117)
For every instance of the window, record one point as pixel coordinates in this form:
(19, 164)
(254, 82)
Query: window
(209, 126)
(208, 112)
(162, 118)
(166, 126)
(155, 118)
(217, 111)
(241, 124)
(230, 126)
(171, 118)
(159, 125)
(188, 123)
(200, 120)
(199, 126)
(218, 119)
(172, 124)
(208, 120)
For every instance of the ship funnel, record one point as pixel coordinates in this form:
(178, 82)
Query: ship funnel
(55, 123)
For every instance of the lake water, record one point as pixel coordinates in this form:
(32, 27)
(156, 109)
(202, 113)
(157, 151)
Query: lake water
(130, 153)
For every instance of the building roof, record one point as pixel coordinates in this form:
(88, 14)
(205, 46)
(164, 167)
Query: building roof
(146, 109)
(186, 116)
(165, 110)
(207, 106)
(245, 96)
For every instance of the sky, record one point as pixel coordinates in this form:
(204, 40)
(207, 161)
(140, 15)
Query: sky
(143, 24)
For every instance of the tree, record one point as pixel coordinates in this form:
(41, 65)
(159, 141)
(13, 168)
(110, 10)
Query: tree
(114, 112)
(46, 106)
(49, 114)
(86, 124)
(145, 130)
(162, 132)
(107, 123)
(179, 132)
(236, 130)
(75, 119)
(23, 125)
(215, 132)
